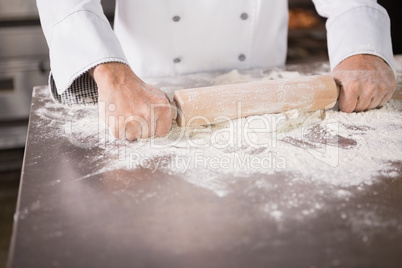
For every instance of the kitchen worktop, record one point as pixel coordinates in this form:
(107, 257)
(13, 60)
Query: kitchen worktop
(81, 205)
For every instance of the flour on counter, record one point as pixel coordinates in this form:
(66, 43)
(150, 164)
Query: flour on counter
(341, 150)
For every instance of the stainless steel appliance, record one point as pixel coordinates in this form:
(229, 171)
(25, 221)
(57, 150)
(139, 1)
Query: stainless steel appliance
(24, 63)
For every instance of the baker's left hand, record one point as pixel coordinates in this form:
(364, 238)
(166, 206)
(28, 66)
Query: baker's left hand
(365, 81)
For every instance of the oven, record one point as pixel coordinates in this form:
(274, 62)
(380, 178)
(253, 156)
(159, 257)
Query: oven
(24, 63)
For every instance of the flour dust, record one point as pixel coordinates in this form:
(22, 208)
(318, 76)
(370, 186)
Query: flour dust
(332, 155)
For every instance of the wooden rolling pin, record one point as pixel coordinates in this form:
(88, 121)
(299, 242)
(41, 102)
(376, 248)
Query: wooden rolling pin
(214, 104)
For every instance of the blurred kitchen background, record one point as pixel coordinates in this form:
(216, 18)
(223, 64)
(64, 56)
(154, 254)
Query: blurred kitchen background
(24, 63)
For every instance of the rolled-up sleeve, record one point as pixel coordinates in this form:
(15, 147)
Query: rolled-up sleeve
(79, 37)
(356, 27)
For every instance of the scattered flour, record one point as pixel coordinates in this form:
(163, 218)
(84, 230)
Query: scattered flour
(233, 77)
(340, 150)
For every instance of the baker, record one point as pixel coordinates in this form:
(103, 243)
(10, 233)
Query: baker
(91, 62)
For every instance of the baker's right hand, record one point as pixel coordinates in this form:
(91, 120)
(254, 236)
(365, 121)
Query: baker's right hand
(134, 109)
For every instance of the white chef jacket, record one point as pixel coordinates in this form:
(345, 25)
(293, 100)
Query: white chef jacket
(169, 37)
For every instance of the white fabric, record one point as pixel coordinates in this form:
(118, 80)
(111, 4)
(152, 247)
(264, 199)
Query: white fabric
(210, 35)
(356, 27)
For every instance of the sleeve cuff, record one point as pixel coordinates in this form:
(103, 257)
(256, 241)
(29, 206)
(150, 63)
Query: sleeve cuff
(82, 91)
(361, 30)
(79, 42)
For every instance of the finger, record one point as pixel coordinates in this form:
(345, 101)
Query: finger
(386, 98)
(363, 103)
(368, 92)
(347, 100)
(132, 131)
(376, 100)
(163, 123)
(135, 127)
(146, 126)
(163, 127)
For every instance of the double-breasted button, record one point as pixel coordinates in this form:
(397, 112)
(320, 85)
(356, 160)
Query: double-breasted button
(242, 57)
(176, 18)
(244, 16)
